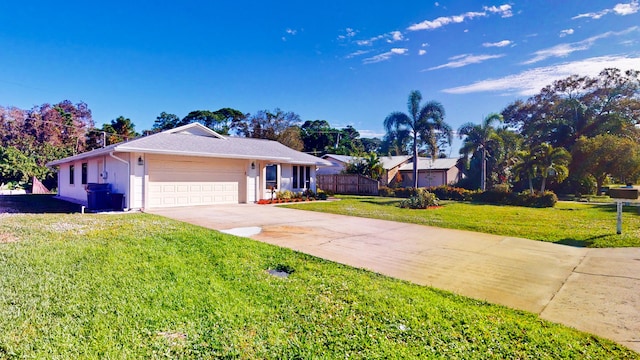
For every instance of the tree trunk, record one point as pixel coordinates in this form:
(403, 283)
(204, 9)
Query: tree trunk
(483, 175)
(415, 160)
(531, 184)
(544, 180)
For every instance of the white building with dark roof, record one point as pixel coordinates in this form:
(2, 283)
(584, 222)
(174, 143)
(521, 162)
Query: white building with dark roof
(186, 166)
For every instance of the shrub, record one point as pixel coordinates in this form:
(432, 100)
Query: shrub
(548, 199)
(445, 192)
(321, 195)
(284, 195)
(386, 192)
(495, 196)
(421, 200)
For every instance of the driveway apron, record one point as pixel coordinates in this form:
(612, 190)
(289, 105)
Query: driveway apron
(593, 290)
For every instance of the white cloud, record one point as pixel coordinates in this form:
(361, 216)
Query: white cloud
(563, 50)
(422, 52)
(370, 41)
(504, 10)
(444, 20)
(619, 9)
(395, 36)
(357, 53)
(292, 31)
(502, 43)
(464, 60)
(627, 9)
(530, 82)
(348, 33)
(566, 32)
(385, 56)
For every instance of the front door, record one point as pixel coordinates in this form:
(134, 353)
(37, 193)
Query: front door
(252, 187)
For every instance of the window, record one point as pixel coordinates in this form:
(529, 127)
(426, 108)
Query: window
(271, 176)
(301, 177)
(71, 174)
(84, 173)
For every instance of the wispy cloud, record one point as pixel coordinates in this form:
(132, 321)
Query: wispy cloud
(530, 82)
(619, 9)
(502, 43)
(385, 56)
(348, 33)
(464, 60)
(422, 52)
(289, 32)
(390, 37)
(563, 50)
(566, 32)
(357, 53)
(502, 10)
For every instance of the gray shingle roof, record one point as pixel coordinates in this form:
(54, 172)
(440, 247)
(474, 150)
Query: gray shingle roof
(425, 164)
(197, 140)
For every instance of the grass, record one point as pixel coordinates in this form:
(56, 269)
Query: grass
(141, 286)
(576, 224)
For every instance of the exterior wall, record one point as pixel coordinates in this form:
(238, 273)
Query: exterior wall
(285, 179)
(115, 171)
(426, 178)
(453, 175)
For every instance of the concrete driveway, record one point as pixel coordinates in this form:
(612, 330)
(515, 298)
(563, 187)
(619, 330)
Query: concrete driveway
(593, 290)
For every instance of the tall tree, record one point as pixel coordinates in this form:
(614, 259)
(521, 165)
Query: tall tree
(119, 129)
(551, 161)
(166, 121)
(607, 155)
(477, 138)
(526, 166)
(265, 124)
(318, 136)
(424, 124)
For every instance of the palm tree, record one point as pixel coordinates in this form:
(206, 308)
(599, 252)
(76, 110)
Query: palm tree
(526, 165)
(477, 139)
(552, 161)
(423, 124)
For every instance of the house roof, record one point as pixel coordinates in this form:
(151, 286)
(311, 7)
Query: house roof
(197, 140)
(388, 162)
(426, 164)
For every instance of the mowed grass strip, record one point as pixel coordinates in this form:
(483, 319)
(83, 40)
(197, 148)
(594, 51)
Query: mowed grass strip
(141, 286)
(570, 223)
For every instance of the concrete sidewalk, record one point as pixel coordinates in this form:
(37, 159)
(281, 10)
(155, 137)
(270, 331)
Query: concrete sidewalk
(593, 290)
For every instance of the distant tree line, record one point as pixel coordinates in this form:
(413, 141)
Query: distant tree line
(576, 135)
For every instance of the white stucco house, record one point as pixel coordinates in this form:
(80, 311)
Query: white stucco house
(186, 166)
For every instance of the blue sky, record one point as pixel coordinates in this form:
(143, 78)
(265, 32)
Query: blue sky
(347, 62)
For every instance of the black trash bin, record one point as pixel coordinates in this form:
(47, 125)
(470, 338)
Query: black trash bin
(98, 196)
(117, 201)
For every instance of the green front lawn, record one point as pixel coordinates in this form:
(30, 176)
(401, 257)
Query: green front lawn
(577, 224)
(141, 286)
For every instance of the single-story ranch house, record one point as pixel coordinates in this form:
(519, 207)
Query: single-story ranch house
(440, 171)
(436, 172)
(188, 165)
(390, 164)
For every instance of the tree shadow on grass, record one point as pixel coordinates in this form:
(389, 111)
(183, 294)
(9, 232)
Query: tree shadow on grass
(37, 204)
(581, 243)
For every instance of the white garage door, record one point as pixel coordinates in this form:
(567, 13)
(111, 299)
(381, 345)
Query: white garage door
(189, 181)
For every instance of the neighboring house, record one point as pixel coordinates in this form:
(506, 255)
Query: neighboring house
(188, 165)
(391, 165)
(431, 173)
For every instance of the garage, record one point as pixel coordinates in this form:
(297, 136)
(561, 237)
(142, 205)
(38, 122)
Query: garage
(188, 181)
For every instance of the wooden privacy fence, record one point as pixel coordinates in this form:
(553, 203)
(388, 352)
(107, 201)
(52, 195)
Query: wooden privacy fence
(352, 184)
